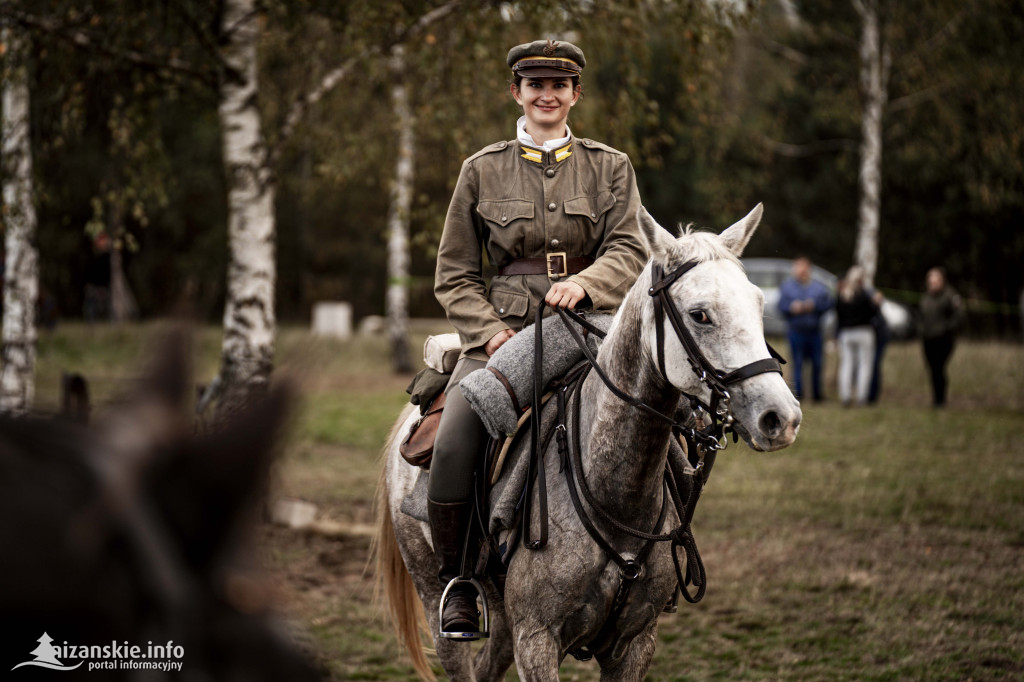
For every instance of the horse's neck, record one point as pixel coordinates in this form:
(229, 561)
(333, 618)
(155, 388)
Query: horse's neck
(624, 448)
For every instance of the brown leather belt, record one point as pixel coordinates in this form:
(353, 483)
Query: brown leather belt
(554, 265)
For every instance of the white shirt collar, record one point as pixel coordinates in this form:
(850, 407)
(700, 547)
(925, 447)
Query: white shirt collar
(527, 139)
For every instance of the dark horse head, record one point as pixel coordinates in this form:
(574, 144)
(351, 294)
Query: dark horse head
(128, 533)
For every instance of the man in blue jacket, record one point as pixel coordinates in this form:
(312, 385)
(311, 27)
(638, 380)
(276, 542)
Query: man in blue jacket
(803, 301)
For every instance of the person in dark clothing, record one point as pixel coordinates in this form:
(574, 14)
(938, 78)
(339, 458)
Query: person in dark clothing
(803, 301)
(882, 336)
(855, 308)
(941, 315)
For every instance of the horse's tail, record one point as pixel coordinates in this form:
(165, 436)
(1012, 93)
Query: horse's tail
(392, 577)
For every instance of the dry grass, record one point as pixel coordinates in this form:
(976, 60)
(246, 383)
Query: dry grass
(887, 544)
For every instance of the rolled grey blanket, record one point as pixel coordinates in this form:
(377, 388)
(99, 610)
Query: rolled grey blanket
(489, 397)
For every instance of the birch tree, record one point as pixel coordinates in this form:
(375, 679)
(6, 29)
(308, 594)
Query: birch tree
(21, 273)
(247, 351)
(875, 67)
(397, 298)
(247, 355)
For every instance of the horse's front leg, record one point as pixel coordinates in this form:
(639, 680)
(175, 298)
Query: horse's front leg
(629, 660)
(537, 653)
(496, 655)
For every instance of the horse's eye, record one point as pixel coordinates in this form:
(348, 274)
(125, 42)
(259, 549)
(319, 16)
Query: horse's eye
(700, 317)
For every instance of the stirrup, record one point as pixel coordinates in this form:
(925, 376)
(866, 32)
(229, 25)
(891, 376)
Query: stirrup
(484, 632)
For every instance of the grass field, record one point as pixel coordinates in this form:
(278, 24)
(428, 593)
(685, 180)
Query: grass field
(886, 544)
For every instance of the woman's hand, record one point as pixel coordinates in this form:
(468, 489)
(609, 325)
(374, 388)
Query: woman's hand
(497, 341)
(565, 295)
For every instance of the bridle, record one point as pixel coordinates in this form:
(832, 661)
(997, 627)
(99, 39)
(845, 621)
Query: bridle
(703, 437)
(716, 415)
(715, 379)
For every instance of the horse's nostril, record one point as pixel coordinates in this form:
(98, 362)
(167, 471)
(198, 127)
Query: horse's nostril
(770, 423)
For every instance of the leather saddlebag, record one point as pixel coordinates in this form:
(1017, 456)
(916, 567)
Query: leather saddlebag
(418, 446)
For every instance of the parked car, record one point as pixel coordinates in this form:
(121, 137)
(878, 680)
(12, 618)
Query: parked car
(769, 273)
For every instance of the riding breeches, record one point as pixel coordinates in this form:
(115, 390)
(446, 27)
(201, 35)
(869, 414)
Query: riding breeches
(460, 440)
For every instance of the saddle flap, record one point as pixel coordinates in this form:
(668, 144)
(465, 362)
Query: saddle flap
(418, 447)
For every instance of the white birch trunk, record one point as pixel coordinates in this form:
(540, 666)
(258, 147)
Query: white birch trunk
(397, 303)
(123, 307)
(21, 274)
(874, 81)
(122, 302)
(247, 353)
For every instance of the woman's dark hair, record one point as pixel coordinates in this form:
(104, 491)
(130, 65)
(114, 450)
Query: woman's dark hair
(517, 81)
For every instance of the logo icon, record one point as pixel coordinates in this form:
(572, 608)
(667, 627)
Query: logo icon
(46, 656)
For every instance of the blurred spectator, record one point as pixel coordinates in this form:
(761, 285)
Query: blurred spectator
(941, 314)
(96, 304)
(46, 310)
(882, 336)
(802, 301)
(855, 308)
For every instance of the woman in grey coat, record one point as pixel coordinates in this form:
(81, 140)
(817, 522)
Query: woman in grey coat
(941, 315)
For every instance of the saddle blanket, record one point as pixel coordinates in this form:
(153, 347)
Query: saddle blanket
(492, 402)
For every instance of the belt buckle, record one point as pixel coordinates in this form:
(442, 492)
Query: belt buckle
(558, 265)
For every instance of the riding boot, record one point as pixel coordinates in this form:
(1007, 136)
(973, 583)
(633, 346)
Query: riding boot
(449, 523)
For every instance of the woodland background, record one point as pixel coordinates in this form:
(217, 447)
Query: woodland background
(719, 104)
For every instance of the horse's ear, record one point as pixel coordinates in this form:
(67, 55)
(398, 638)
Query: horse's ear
(658, 240)
(736, 237)
(208, 487)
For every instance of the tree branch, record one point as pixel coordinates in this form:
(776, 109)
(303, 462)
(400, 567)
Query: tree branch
(301, 106)
(784, 51)
(798, 151)
(86, 43)
(205, 38)
(919, 97)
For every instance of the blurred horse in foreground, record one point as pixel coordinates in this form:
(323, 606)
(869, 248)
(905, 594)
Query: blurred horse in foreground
(130, 532)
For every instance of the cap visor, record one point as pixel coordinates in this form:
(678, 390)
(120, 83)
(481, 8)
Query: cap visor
(545, 72)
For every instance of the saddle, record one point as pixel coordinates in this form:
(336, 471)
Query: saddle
(440, 354)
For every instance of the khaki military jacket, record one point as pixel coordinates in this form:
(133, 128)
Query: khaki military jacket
(516, 202)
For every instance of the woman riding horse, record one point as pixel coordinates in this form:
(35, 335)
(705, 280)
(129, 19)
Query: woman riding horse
(557, 216)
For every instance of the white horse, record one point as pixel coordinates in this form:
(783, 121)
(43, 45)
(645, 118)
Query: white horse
(558, 599)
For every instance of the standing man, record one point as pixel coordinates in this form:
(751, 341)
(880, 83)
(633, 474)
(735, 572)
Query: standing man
(802, 301)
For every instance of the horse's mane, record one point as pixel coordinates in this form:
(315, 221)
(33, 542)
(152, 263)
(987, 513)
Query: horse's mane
(701, 245)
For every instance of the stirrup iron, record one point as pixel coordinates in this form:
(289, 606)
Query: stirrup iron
(484, 632)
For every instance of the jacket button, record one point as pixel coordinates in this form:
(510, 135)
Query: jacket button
(550, 172)
(593, 215)
(504, 218)
(501, 311)
(554, 243)
(502, 144)
(552, 206)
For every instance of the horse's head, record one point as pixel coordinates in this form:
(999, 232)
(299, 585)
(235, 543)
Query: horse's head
(722, 311)
(133, 530)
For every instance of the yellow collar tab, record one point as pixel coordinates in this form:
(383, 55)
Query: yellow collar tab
(537, 156)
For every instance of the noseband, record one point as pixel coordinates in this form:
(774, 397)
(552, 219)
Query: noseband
(715, 379)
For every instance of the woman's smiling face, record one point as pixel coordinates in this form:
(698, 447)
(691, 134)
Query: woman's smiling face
(546, 103)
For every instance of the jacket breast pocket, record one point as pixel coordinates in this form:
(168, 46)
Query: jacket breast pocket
(509, 220)
(511, 306)
(589, 210)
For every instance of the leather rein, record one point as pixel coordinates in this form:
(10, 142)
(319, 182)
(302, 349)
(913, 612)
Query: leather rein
(712, 422)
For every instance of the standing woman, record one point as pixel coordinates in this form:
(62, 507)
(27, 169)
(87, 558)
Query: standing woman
(855, 308)
(941, 313)
(557, 216)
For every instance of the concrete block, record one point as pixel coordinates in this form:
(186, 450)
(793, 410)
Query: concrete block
(333, 319)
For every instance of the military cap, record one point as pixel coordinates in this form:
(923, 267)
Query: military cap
(546, 59)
